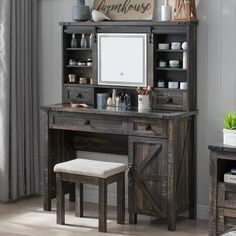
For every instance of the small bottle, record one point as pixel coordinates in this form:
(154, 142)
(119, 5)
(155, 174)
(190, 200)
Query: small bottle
(114, 96)
(91, 41)
(83, 42)
(73, 42)
(117, 101)
(127, 101)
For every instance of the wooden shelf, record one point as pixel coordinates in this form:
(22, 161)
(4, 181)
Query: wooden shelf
(78, 49)
(171, 69)
(169, 90)
(78, 84)
(170, 50)
(78, 66)
(99, 86)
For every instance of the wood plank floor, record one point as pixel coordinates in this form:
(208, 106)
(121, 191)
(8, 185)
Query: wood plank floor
(26, 217)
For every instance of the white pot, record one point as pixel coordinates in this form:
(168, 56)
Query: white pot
(229, 137)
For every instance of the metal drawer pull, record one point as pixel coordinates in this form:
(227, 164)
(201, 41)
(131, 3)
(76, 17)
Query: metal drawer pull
(79, 95)
(169, 100)
(148, 127)
(87, 123)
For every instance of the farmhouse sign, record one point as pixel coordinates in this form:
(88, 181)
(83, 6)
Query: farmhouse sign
(126, 9)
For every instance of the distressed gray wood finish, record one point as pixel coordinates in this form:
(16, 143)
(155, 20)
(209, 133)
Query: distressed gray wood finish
(121, 199)
(79, 209)
(222, 196)
(160, 144)
(161, 180)
(160, 149)
(60, 200)
(102, 183)
(157, 32)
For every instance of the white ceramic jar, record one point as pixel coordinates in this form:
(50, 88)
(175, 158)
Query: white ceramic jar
(176, 46)
(163, 46)
(162, 63)
(174, 63)
(183, 85)
(173, 85)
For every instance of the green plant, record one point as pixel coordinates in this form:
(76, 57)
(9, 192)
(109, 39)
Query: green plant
(230, 121)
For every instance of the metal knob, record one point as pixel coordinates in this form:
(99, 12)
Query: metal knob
(79, 95)
(148, 127)
(87, 123)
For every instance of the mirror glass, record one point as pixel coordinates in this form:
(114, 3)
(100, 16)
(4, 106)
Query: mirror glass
(122, 59)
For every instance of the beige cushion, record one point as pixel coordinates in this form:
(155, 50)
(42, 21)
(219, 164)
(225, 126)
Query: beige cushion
(100, 169)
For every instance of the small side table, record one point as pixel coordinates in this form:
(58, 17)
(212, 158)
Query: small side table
(222, 196)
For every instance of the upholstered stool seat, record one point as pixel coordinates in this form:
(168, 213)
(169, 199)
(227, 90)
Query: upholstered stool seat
(83, 171)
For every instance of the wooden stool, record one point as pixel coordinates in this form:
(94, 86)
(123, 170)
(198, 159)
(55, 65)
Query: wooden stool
(82, 171)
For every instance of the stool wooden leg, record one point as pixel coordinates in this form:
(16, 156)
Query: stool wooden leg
(72, 192)
(79, 200)
(121, 199)
(60, 200)
(102, 205)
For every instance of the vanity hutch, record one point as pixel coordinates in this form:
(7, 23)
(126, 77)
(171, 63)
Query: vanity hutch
(160, 143)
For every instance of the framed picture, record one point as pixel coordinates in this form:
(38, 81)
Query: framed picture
(122, 59)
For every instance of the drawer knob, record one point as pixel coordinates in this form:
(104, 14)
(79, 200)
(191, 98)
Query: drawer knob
(148, 127)
(79, 95)
(87, 123)
(169, 100)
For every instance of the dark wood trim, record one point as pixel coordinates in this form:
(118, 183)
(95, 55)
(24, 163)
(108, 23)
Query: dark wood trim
(121, 199)
(79, 209)
(172, 141)
(129, 23)
(60, 200)
(102, 205)
(193, 169)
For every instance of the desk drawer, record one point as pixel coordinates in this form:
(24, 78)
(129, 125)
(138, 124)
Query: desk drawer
(170, 100)
(147, 127)
(80, 94)
(227, 195)
(88, 123)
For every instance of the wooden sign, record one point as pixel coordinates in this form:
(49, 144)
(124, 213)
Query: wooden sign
(126, 9)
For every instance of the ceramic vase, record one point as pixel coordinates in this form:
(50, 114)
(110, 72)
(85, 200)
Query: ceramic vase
(80, 12)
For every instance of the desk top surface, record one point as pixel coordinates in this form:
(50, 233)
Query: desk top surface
(222, 148)
(120, 111)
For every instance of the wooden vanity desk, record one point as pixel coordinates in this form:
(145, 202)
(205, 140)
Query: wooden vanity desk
(160, 143)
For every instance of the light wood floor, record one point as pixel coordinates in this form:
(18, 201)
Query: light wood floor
(26, 217)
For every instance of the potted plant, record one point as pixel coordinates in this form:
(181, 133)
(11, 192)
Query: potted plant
(230, 129)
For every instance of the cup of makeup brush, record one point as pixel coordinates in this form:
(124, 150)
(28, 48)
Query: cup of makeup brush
(143, 102)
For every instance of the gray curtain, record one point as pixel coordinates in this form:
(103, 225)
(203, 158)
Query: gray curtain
(19, 103)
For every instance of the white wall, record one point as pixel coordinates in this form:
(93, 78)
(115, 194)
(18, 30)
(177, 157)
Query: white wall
(216, 71)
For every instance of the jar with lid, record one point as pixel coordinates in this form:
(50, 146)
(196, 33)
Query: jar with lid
(162, 63)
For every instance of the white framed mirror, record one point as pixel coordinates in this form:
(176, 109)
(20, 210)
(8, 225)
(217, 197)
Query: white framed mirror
(122, 59)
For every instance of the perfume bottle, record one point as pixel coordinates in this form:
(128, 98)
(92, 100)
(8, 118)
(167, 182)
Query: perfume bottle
(73, 43)
(91, 41)
(114, 96)
(127, 101)
(83, 42)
